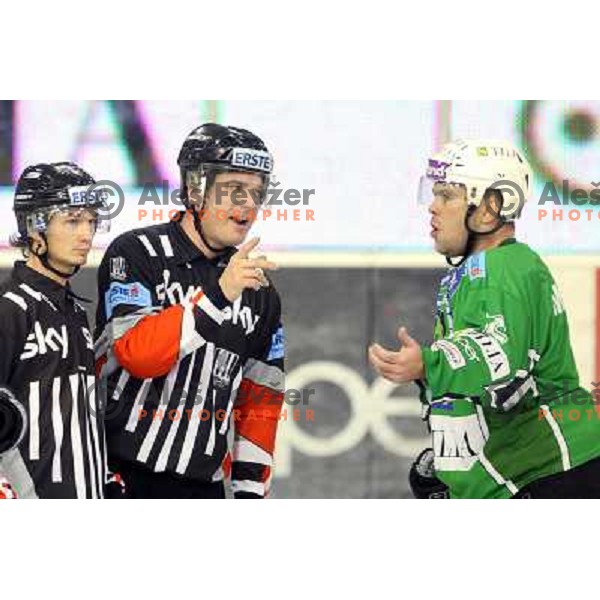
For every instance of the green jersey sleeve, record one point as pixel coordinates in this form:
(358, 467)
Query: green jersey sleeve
(492, 352)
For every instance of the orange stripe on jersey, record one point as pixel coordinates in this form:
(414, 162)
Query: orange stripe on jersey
(151, 348)
(259, 409)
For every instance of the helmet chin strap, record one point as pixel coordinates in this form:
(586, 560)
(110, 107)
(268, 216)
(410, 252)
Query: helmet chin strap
(44, 259)
(471, 236)
(196, 217)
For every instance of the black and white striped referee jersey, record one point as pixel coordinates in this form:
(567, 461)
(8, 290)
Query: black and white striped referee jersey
(182, 363)
(47, 362)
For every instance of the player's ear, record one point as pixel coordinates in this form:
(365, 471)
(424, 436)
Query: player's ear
(36, 242)
(491, 206)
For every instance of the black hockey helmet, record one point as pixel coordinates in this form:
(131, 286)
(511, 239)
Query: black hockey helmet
(46, 188)
(213, 148)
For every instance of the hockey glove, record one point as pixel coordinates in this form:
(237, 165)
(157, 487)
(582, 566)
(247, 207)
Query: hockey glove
(423, 482)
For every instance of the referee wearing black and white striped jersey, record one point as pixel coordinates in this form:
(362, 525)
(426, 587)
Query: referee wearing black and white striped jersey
(51, 425)
(189, 334)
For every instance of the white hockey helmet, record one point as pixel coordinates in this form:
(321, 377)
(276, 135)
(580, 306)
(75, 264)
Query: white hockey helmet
(479, 165)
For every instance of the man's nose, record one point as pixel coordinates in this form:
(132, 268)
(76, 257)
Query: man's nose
(86, 232)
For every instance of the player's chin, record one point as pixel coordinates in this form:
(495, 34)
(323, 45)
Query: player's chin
(79, 258)
(445, 249)
(440, 247)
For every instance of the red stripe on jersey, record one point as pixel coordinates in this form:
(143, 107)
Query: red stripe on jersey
(266, 474)
(99, 364)
(151, 348)
(259, 409)
(226, 465)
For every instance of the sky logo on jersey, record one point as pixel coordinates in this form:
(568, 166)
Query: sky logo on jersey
(241, 315)
(133, 294)
(41, 342)
(252, 159)
(277, 345)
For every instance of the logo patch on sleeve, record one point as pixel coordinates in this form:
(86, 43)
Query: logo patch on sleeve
(451, 351)
(277, 345)
(134, 294)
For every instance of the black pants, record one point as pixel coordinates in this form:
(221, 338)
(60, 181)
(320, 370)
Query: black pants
(143, 483)
(583, 482)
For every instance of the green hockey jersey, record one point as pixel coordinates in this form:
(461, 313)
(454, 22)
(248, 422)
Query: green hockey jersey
(502, 391)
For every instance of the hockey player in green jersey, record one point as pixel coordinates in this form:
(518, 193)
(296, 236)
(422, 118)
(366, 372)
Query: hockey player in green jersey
(499, 384)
